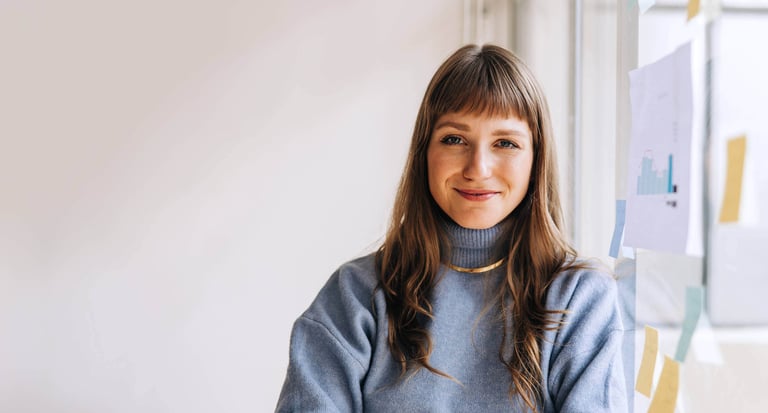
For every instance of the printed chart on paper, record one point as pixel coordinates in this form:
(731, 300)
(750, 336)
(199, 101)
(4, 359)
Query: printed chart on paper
(658, 174)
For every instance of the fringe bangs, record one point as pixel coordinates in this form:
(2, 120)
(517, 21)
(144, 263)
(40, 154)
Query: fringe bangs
(481, 84)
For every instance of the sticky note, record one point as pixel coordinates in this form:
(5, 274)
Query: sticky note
(693, 8)
(694, 300)
(645, 5)
(618, 228)
(648, 363)
(737, 148)
(665, 398)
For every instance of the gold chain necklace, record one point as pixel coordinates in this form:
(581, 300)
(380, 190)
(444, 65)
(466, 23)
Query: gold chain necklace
(487, 268)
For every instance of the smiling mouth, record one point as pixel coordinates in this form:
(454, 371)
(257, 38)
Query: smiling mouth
(476, 195)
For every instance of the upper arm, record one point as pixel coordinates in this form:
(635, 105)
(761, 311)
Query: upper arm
(585, 364)
(323, 374)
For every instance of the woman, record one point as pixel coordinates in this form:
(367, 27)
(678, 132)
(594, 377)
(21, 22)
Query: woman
(475, 301)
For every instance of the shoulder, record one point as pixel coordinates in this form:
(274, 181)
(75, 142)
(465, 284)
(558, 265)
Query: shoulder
(588, 281)
(356, 276)
(350, 288)
(332, 343)
(588, 297)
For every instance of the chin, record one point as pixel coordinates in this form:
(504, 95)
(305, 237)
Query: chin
(476, 224)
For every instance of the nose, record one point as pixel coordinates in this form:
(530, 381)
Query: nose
(478, 165)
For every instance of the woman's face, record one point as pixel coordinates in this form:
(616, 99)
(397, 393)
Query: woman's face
(479, 167)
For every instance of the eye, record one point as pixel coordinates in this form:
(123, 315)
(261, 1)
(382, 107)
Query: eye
(451, 140)
(507, 144)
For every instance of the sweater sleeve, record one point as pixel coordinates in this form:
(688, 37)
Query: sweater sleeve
(586, 372)
(330, 348)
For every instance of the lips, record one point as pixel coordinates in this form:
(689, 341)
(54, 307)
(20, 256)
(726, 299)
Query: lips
(476, 194)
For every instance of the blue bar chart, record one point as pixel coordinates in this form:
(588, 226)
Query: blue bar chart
(653, 179)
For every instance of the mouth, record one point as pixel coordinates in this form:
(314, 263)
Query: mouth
(476, 194)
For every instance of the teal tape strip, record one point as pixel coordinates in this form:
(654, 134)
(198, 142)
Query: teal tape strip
(694, 304)
(618, 229)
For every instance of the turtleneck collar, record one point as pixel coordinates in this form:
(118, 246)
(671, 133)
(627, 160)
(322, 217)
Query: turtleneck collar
(473, 247)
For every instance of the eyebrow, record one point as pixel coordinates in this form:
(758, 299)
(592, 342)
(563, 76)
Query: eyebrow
(465, 128)
(456, 125)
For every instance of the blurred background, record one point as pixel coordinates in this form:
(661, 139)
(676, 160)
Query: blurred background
(178, 179)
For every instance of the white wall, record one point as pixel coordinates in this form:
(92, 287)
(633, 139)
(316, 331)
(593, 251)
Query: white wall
(178, 179)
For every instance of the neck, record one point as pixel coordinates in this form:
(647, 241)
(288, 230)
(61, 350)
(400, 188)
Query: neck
(473, 248)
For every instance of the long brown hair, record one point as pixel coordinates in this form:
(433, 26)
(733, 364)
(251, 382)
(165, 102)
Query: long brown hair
(492, 81)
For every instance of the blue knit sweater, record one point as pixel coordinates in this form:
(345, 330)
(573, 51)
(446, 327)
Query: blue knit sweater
(340, 360)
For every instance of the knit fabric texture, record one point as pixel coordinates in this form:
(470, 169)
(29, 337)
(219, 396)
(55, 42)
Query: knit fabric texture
(339, 359)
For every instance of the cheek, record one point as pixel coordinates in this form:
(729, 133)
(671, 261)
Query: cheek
(432, 174)
(527, 171)
(435, 168)
(440, 170)
(518, 173)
